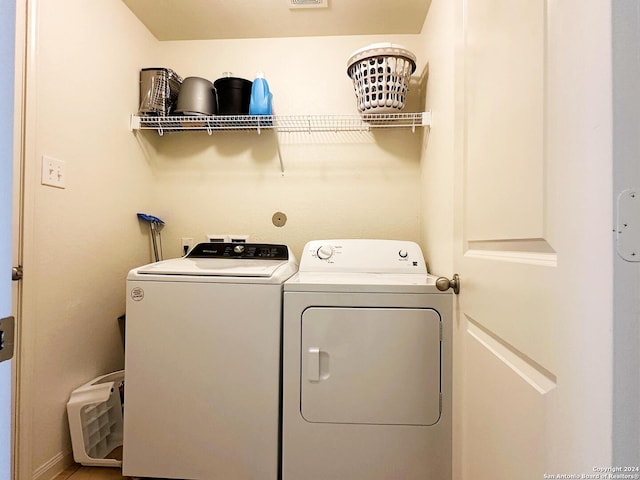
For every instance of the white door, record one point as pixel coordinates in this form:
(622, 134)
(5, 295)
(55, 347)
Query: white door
(7, 29)
(533, 238)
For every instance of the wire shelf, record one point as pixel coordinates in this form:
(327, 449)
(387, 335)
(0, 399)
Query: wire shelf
(280, 123)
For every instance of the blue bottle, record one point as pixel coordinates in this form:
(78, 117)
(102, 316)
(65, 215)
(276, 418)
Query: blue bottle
(260, 103)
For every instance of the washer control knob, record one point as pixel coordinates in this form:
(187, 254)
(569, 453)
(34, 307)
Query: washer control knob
(403, 254)
(238, 249)
(325, 252)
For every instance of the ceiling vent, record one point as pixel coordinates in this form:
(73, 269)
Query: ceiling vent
(308, 3)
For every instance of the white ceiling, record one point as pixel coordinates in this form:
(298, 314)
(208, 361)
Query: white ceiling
(217, 19)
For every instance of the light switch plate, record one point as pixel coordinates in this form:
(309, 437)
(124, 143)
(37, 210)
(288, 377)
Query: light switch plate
(53, 172)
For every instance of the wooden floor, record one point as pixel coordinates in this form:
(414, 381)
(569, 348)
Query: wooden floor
(78, 472)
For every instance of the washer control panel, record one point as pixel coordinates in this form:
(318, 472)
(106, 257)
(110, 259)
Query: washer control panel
(363, 255)
(253, 251)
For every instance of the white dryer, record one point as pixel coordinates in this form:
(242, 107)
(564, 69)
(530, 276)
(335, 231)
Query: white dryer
(202, 362)
(367, 365)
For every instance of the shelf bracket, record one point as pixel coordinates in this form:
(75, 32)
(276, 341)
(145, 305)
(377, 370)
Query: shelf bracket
(279, 152)
(426, 119)
(134, 123)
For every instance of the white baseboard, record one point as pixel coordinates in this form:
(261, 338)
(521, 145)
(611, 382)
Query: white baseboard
(55, 466)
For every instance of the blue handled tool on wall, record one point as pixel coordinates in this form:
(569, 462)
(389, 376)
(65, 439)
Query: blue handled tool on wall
(154, 229)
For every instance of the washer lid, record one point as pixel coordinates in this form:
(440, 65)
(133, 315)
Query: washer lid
(213, 267)
(225, 260)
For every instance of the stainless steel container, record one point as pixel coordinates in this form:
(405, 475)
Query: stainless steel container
(159, 89)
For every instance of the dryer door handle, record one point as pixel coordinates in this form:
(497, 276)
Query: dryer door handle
(313, 364)
(317, 364)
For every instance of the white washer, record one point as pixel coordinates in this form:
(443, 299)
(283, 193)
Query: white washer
(367, 365)
(202, 363)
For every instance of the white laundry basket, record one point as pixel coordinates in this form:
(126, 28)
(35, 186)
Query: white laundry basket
(380, 74)
(95, 420)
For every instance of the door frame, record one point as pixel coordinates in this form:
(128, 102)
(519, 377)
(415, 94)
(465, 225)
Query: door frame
(24, 170)
(8, 403)
(626, 174)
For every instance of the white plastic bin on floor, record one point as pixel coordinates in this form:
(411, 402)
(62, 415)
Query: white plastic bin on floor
(95, 420)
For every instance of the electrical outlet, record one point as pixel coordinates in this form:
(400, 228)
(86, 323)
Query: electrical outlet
(239, 238)
(53, 172)
(218, 238)
(186, 244)
(227, 238)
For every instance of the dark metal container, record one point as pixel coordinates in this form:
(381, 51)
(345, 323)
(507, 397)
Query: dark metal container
(234, 95)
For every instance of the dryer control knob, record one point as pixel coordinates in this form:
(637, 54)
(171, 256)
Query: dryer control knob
(325, 252)
(403, 254)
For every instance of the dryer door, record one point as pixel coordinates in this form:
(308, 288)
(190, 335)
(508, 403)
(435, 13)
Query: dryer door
(370, 365)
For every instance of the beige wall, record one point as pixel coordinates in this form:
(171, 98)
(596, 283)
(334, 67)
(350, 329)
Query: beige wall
(81, 241)
(335, 185)
(437, 174)
(439, 42)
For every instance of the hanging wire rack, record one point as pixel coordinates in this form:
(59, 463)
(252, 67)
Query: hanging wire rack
(280, 123)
